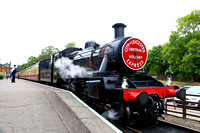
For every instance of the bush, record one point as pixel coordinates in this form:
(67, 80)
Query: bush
(1, 75)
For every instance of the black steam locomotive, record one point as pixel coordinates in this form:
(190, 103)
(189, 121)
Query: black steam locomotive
(108, 76)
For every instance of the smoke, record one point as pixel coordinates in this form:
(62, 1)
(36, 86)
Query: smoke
(110, 114)
(67, 69)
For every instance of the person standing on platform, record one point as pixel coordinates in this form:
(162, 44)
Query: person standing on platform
(13, 74)
(10, 73)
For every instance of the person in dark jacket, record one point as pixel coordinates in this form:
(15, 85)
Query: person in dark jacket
(10, 76)
(13, 74)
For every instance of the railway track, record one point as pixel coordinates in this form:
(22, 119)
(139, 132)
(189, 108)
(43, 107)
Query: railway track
(126, 129)
(162, 126)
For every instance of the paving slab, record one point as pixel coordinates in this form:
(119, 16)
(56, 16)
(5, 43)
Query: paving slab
(32, 107)
(90, 118)
(27, 108)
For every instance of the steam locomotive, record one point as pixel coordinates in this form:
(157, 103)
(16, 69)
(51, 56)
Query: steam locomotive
(110, 77)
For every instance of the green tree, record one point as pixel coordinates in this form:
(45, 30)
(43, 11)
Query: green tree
(24, 65)
(31, 60)
(174, 51)
(190, 64)
(184, 45)
(189, 24)
(156, 64)
(70, 45)
(47, 52)
(19, 66)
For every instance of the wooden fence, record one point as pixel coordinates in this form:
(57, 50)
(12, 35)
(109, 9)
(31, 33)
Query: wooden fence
(175, 78)
(184, 109)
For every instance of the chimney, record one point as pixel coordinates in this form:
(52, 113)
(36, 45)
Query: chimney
(119, 29)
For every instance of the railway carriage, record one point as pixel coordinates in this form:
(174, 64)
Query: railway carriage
(40, 71)
(31, 73)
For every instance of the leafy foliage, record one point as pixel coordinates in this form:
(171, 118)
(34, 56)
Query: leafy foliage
(31, 60)
(156, 64)
(22, 66)
(70, 45)
(184, 44)
(189, 24)
(47, 52)
(181, 55)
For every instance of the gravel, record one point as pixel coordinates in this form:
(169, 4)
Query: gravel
(183, 122)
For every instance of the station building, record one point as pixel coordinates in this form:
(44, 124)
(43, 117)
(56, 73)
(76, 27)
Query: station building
(4, 68)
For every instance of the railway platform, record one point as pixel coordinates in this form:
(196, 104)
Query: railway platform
(29, 107)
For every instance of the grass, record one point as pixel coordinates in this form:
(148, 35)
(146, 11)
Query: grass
(180, 83)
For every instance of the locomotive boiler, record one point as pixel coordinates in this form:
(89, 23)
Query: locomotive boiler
(115, 81)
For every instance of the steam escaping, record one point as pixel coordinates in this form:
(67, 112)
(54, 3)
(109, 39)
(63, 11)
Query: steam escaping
(67, 69)
(110, 114)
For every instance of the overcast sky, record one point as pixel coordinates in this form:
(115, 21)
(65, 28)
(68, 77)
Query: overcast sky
(28, 26)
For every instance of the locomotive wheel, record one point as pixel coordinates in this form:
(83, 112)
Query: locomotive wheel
(72, 87)
(162, 106)
(126, 115)
(59, 82)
